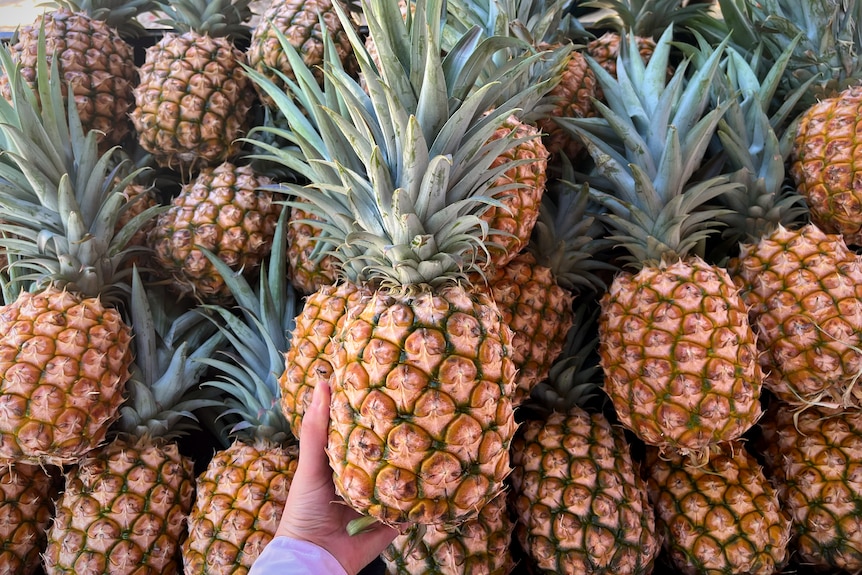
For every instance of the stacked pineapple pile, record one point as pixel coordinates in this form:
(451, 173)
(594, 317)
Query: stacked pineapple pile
(582, 277)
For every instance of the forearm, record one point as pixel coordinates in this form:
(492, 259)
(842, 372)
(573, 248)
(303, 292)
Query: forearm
(286, 556)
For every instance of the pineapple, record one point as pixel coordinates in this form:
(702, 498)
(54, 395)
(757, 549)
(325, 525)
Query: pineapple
(222, 210)
(480, 545)
(535, 291)
(65, 351)
(817, 475)
(26, 507)
(804, 287)
(242, 492)
(27, 495)
(721, 517)
(90, 41)
(303, 24)
(193, 98)
(824, 40)
(421, 415)
(824, 165)
(310, 268)
(521, 190)
(679, 355)
(580, 504)
(124, 505)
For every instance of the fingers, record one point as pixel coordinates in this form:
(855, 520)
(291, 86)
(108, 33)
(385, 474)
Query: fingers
(315, 431)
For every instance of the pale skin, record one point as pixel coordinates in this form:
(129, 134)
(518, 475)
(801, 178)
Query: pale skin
(313, 512)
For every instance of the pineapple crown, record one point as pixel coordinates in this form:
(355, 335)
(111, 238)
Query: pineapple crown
(750, 144)
(259, 337)
(536, 22)
(566, 238)
(60, 199)
(533, 20)
(216, 18)
(646, 18)
(829, 35)
(119, 14)
(169, 343)
(403, 204)
(651, 138)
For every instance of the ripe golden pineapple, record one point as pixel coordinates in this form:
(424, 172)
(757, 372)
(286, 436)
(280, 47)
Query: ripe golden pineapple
(522, 187)
(310, 268)
(721, 517)
(307, 361)
(572, 98)
(193, 98)
(26, 508)
(223, 210)
(421, 415)
(539, 313)
(238, 505)
(679, 354)
(803, 288)
(89, 39)
(480, 545)
(535, 291)
(577, 495)
(580, 504)
(64, 351)
(124, 505)
(824, 164)
(241, 493)
(302, 23)
(818, 478)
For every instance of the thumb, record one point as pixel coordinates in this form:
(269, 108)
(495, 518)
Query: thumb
(315, 433)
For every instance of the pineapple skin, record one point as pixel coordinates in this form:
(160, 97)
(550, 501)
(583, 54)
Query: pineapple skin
(679, 356)
(123, 510)
(192, 101)
(580, 503)
(93, 59)
(520, 205)
(538, 311)
(572, 98)
(723, 517)
(26, 508)
(818, 478)
(307, 360)
(224, 211)
(307, 272)
(239, 502)
(421, 412)
(824, 165)
(64, 363)
(299, 21)
(803, 288)
(480, 546)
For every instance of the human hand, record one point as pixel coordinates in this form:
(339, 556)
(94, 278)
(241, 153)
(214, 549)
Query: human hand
(313, 512)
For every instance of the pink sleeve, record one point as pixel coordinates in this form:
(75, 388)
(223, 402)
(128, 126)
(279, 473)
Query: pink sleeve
(286, 556)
